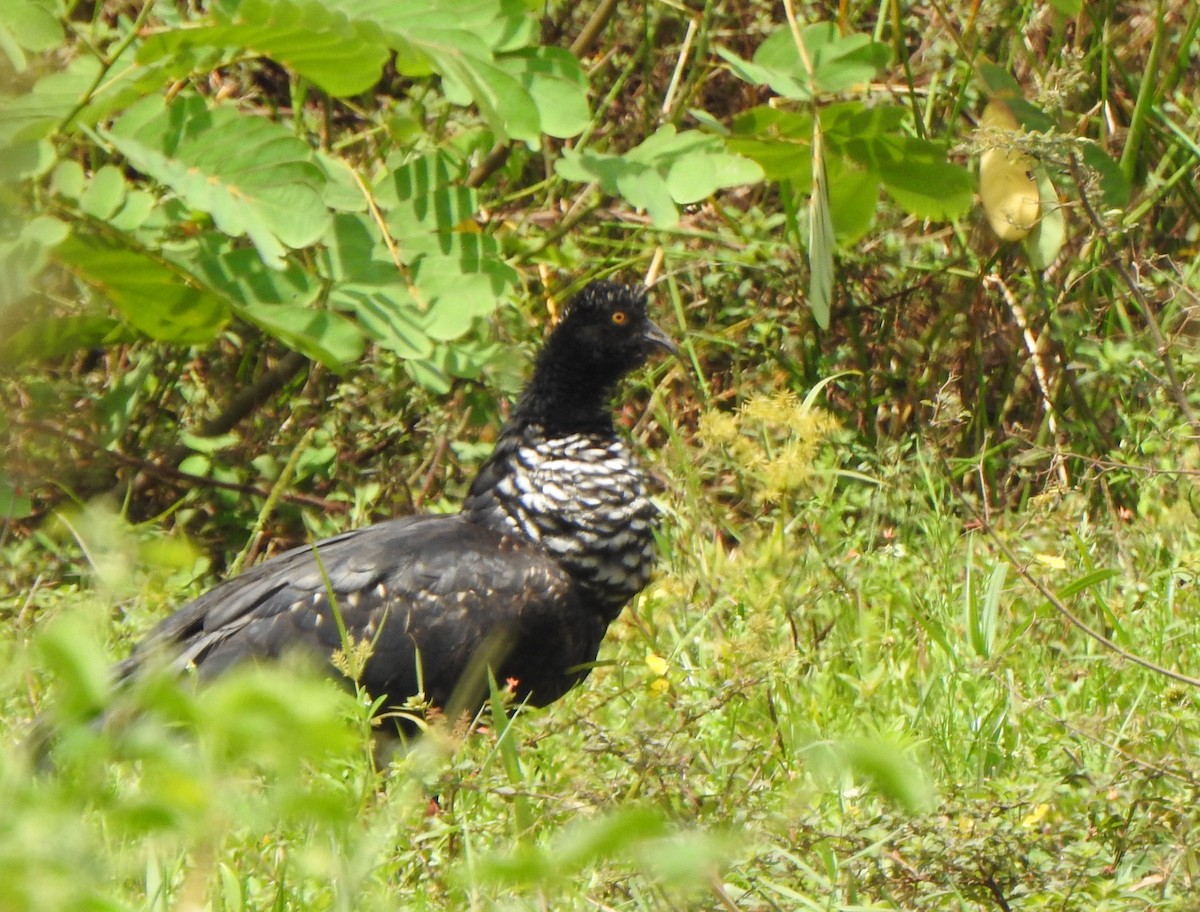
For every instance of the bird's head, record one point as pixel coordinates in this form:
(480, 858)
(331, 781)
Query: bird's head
(603, 334)
(606, 327)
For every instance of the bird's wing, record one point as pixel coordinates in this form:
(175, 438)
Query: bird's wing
(430, 591)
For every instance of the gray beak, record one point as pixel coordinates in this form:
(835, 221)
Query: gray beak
(659, 339)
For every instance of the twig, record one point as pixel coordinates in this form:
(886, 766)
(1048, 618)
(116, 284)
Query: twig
(277, 491)
(592, 28)
(684, 50)
(106, 65)
(492, 162)
(258, 392)
(1056, 603)
(1039, 372)
(1160, 342)
(172, 474)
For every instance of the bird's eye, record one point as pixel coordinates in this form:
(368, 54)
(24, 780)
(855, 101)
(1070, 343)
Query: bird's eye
(619, 317)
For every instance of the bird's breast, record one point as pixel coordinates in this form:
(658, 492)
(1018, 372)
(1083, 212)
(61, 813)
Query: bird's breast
(583, 499)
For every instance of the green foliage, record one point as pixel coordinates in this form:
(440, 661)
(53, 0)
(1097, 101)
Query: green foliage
(155, 226)
(831, 62)
(253, 178)
(857, 139)
(870, 709)
(839, 153)
(667, 169)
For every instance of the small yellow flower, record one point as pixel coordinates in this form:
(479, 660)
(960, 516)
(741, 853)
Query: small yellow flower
(1036, 816)
(657, 664)
(1053, 561)
(717, 428)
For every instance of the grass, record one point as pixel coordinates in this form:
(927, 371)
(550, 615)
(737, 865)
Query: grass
(857, 704)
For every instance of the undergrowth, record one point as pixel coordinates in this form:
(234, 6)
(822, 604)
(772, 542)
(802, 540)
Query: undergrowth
(864, 706)
(922, 633)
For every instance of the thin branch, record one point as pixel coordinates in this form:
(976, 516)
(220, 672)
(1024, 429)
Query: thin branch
(174, 475)
(591, 30)
(1058, 605)
(1039, 372)
(1160, 343)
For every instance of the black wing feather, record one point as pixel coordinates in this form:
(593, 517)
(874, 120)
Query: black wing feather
(437, 590)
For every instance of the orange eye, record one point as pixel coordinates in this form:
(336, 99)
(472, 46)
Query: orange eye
(619, 317)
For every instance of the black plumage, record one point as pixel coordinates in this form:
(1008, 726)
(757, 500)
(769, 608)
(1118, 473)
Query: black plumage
(555, 537)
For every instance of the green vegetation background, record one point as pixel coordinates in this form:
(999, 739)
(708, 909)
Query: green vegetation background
(924, 631)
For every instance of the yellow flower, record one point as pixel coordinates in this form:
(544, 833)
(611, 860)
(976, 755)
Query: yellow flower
(1053, 561)
(717, 428)
(657, 664)
(1036, 816)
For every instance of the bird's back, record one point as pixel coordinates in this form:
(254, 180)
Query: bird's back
(436, 596)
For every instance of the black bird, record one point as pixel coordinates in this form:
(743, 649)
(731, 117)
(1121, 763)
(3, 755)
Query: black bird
(555, 537)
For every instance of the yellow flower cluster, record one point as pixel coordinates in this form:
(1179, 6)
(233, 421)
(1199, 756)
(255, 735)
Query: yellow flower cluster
(772, 438)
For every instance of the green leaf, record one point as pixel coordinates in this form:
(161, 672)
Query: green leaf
(71, 647)
(68, 179)
(502, 99)
(104, 194)
(456, 271)
(1043, 244)
(342, 191)
(36, 114)
(1114, 187)
(620, 834)
(14, 502)
(240, 276)
(820, 245)
(891, 771)
(389, 315)
(33, 116)
(698, 175)
(557, 84)
(842, 62)
(150, 296)
(917, 175)
(1001, 86)
(645, 188)
(24, 257)
(852, 121)
(785, 84)
(25, 160)
(340, 56)
(252, 176)
(58, 336)
(779, 141)
(323, 336)
(1087, 581)
(853, 200)
(208, 445)
(837, 62)
(500, 25)
(138, 208)
(423, 225)
(667, 168)
(28, 25)
(480, 50)
(366, 282)
(456, 296)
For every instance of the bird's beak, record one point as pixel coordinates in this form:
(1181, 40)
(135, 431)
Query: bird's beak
(656, 337)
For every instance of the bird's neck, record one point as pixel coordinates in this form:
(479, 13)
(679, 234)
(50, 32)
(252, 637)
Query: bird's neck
(563, 398)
